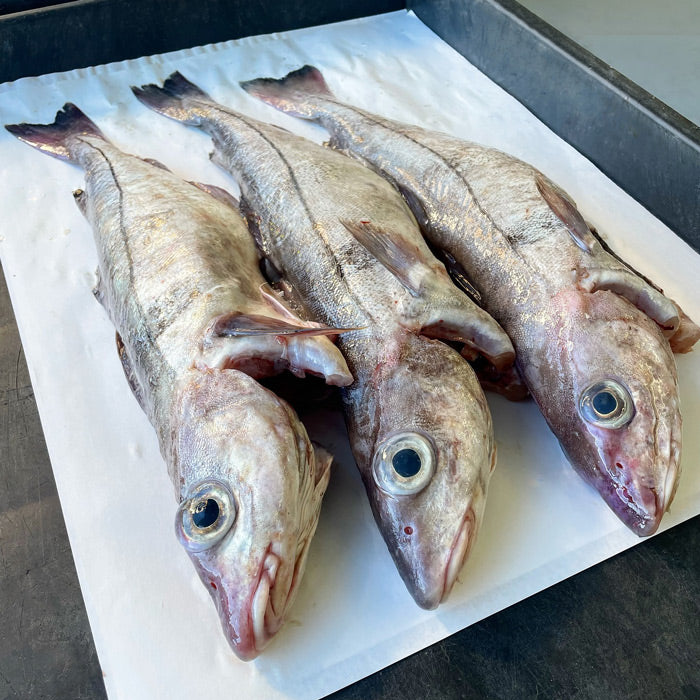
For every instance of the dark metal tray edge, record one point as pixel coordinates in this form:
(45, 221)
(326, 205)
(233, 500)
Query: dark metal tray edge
(643, 145)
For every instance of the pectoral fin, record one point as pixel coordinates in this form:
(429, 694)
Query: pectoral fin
(263, 346)
(238, 325)
(447, 314)
(560, 203)
(458, 275)
(400, 257)
(282, 293)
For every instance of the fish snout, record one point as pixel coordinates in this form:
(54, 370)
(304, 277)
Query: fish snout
(430, 575)
(640, 497)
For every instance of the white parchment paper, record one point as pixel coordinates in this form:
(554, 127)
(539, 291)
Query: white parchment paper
(155, 628)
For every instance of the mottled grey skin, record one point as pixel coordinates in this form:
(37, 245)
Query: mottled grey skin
(172, 260)
(297, 193)
(575, 314)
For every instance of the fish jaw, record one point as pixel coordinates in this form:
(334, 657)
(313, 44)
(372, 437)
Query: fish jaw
(251, 618)
(430, 585)
(601, 337)
(428, 533)
(235, 433)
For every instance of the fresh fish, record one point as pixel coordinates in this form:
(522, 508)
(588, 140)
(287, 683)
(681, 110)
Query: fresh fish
(418, 421)
(179, 278)
(593, 338)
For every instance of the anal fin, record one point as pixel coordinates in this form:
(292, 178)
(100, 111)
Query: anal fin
(80, 197)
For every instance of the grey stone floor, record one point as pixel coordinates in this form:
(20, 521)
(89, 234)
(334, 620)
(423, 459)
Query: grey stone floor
(46, 649)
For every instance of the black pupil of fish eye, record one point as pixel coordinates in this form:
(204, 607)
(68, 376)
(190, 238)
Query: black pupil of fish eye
(205, 513)
(604, 403)
(406, 463)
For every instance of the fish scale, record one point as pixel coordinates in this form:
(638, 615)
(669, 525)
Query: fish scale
(179, 278)
(584, 324)
(335, 231)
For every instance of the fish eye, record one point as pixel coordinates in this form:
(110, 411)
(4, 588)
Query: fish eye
(403, 464)
(205, 516)
(607, 404)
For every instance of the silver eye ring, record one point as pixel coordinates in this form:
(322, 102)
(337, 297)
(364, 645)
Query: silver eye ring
(204, 518)
(607, 404)
(403, 464)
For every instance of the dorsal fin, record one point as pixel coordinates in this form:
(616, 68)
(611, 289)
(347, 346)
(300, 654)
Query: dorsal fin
(80, 198)
(606, 247)
(566, 212)
(156, 164)
(219, 193)
(131, 378)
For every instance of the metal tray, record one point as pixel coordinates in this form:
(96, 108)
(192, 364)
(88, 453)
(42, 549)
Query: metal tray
(613, 630)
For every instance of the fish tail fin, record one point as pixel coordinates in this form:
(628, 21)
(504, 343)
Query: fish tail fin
(292, 94)
(55, 138)
(170, 99)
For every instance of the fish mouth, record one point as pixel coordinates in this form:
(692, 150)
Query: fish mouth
(430, 590)
(267, 610)
(641, 507)
(459, 552)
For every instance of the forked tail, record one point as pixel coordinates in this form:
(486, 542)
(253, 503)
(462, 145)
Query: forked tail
(293, 93)
(171, 99)
(55, 138)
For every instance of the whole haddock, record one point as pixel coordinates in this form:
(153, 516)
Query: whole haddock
(418, 421)
(178, 275)
(594, 339)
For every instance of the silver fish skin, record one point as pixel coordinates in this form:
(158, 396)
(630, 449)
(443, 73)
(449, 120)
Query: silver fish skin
(179, 278)
(593, 338)
(419, 425)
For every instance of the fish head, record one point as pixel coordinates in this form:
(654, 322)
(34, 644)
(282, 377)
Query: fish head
(611, 398)
(422, 435)
(251, 484)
